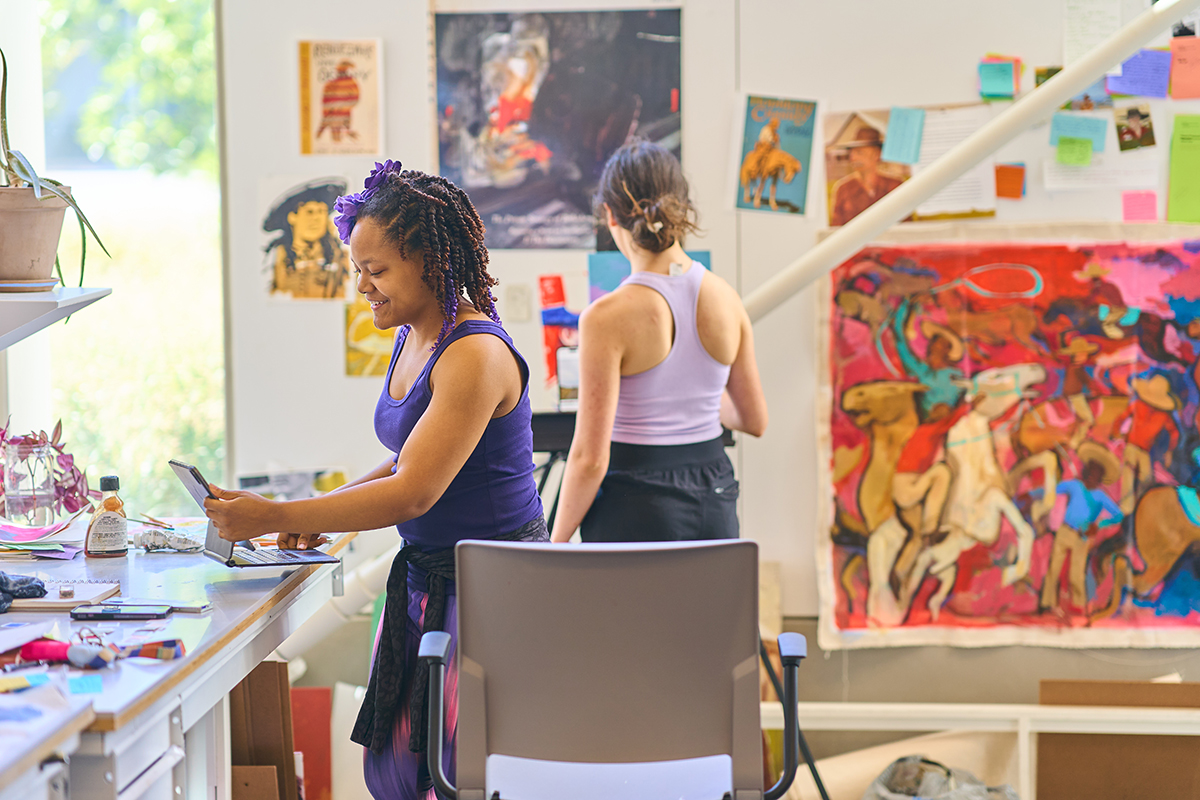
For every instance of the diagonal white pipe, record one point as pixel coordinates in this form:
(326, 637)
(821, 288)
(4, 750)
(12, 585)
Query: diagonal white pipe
(1034, 106)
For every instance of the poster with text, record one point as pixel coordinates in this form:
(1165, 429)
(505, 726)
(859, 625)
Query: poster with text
(303, 258)
(1012, 447)
(530, 107)
(776, 154)
(340, 97)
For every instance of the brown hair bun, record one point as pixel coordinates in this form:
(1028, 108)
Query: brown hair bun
(643, 185)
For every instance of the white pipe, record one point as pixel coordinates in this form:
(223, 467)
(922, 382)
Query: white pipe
(359, 589)
(895, 206)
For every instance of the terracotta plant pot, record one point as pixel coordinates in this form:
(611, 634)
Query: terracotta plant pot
(29, 231)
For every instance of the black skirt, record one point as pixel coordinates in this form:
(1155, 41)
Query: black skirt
(664, 493)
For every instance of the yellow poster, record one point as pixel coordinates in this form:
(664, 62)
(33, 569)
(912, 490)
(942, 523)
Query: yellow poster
(340, 97)
(368, 349)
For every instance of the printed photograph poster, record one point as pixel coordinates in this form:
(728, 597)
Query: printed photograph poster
(1012, 442)
(368, 349)
(530, 106)
(303, 258)
(340, 97)
(1134, 128)
(776, 154)
(856, 177)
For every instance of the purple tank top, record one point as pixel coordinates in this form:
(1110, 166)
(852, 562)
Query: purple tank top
(677, 401)
(494, 492)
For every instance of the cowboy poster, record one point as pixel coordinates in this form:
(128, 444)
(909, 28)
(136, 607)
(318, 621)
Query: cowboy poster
(1013, 445)
(530, 106)
(303, 258)
(775, 159)
(340, 97)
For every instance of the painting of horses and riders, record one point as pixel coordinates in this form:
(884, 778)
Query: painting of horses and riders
(1014, 445)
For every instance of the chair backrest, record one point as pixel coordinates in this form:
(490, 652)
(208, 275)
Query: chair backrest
(608, 654)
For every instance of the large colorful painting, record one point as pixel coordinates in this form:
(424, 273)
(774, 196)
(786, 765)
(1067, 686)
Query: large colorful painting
(1013, 445)
(530, 107)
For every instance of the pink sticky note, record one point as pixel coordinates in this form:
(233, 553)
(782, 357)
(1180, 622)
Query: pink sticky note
(1140, 206)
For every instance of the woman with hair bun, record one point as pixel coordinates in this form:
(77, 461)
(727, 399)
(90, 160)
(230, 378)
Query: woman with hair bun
(664, 362)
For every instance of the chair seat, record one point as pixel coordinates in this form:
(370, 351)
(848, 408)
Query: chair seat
(707, 778)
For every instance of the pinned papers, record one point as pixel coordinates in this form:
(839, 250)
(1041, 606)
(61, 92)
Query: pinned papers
(902, 145)
(999, 77)
(1147, 73)
(1183, 195)
(1079, 127)
(1086, 24)
(1185, 67)
(1010, 181)
(1074, 151)
(1139, 206)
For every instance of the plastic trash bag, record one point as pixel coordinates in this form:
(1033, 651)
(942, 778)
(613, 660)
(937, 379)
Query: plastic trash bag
(914, 776)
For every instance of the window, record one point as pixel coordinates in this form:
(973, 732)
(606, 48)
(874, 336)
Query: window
(138, 378)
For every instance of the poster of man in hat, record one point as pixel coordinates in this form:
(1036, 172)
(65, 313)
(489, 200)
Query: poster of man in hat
(340, 97)
(304, 257)
(857, 176)
(1134, 129)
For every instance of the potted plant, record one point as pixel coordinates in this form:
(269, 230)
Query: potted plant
(39, 480)
(32, 209)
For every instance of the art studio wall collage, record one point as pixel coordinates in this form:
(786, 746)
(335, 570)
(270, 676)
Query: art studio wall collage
(788, 118)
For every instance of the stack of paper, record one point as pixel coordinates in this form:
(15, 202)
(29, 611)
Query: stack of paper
(999, 77)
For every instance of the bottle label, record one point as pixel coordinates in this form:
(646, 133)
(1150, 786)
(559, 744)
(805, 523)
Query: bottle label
(108, 533)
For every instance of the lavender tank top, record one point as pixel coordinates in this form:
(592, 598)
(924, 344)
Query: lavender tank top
(494, 492)
(677, 401)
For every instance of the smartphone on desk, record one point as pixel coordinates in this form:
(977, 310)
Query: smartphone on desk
(120, 612)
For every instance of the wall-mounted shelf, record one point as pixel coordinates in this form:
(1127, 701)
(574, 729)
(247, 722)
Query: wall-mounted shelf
(24, 313)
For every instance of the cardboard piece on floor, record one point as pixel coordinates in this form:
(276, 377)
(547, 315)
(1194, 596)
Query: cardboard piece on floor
(1071, 766)
(312, 708)
(260, 723)
(254, 783)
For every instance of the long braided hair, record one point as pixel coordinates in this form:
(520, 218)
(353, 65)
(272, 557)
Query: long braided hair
(430, 215)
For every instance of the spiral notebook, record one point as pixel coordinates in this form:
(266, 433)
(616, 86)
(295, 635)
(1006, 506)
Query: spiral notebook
(86, 592)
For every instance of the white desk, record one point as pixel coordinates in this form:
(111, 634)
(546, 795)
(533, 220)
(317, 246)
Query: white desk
(22, 774)
(161, 728)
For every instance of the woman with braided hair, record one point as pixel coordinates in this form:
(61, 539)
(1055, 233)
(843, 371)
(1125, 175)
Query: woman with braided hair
(664, 362)
(455, 414)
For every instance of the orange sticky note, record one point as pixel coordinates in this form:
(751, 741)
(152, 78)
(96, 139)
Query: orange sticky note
(1010, 181)
(1185, 67)
(1139, 206)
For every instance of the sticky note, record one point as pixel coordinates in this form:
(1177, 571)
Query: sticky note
(85, 684)
(37, 679)
(1146, 74)
(1183, 194)
(1010, 181)
(1079, 127)
(1139, 206)
(1074, 151)
(13, 683)
(1185, 67)
(902, 144)
(996, 78)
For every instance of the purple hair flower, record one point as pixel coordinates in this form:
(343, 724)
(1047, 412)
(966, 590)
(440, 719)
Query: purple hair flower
(346, 207)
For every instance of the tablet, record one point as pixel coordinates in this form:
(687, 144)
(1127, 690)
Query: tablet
(193, 481)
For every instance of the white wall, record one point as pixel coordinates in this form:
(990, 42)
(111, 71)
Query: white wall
(292, 404)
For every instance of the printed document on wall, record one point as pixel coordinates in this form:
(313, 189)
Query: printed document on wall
(1086, 24)
(1183, 196)
(976, 190)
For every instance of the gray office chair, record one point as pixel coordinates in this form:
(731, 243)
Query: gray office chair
(608, 671)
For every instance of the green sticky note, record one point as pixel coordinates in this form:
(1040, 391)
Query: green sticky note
(1074, 151)
(1183, 193)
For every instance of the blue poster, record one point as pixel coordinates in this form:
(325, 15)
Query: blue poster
(776, 154)
(606, 270)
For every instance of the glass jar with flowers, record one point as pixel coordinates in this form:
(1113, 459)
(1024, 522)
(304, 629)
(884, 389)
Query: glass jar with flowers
(40, 479)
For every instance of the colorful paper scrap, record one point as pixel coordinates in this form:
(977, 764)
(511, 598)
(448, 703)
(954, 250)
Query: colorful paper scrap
(902, 145)
(1010, 181)
(1074, 151)
(1079, 127)
(1139, 206)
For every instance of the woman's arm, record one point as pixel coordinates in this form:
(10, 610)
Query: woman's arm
(303, 541)
(743, 406)
(472, 379)
(600, 353)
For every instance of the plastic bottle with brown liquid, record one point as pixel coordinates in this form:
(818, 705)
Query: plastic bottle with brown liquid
(108, 532)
